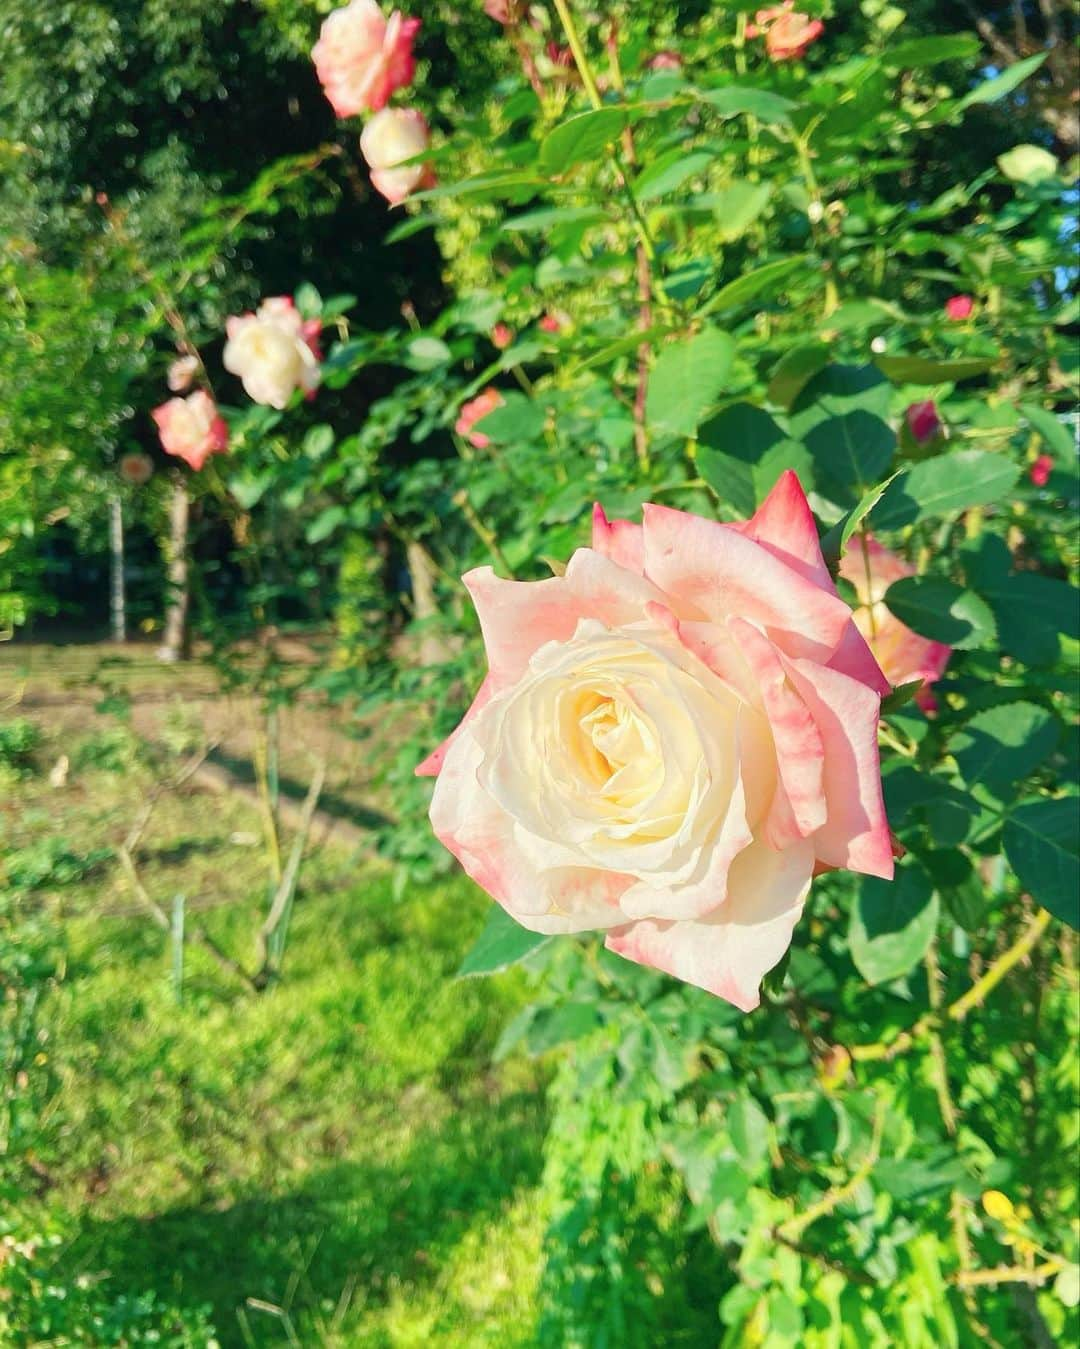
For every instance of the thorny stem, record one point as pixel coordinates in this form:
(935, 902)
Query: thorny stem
(794, 1227)
(482, 532)
(937, 1051)
(959, 1009)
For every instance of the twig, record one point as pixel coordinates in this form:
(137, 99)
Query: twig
(796, 1226)
(937, 1051)
(1038, 1274)
(850, 1274)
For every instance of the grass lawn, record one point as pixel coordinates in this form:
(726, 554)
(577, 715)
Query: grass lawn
(333, 1161)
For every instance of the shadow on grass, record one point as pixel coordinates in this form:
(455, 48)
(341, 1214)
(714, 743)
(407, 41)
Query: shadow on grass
(330, 803)
(370, 1227)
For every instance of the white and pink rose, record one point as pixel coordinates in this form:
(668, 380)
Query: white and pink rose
(391, 137)
(273, 351)
(673, 737)
(361, 57)
(191, 428)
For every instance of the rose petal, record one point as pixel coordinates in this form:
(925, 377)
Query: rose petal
(619, 540)
(856, 833)
(784, 524)
(729, 950)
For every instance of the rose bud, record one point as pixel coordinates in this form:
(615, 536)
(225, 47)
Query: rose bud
(959, 307)
(502, 11)
(671, 738)
(923, 421)
(137, 469)
(1040, 470)
(271, 353)
(181, 372)
(902, 654)
(393, 135)
(361, 57)
(501, 336)
(787, 32)
(191, 428)
(549, 324)
(665, 61)
(473, 412)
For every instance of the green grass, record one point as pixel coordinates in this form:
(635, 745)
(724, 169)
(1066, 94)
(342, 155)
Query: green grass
(338, 1148)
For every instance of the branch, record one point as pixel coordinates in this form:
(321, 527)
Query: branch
(795, 1227)
(990, 34)
(1038, 1274)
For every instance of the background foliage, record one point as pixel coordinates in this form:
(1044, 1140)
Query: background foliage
(742, 266)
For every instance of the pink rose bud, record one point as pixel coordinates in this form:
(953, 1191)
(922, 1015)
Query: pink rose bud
(181, 372)
(959, 307)
(549, 324)
(902, 654)
(501, 336)
(273, 352)
(393, 135)
(473, 412)
(191, 428)
(361, 57)
(672, 738)
(562, 57)
(666, 61)
(136, 468)
(499, 10)
(923, 421)
(1040, 471)
(787, 32)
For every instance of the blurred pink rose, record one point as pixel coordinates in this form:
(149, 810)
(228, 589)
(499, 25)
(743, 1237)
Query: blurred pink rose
(181, 372)
(499, 10)
(137, 468)
(191, 428)
(923, 421)
(665, 61)
(902, 654)
(671, 738)
(361, 57)
(501, 336)
(391, 136)
(473, 412)
(273, 351)
(549, 324)
(562, 57)
(1040, 471)
(959, 307)
(787, 32)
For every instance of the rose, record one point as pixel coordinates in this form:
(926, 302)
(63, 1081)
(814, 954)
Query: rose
(361, 57)
(475, 411)
(923, 421)
(502, 11)
(665, 60)
(181, 372)
(191, 428)
(1040, 470)
(549, 324)
(672, 737)
(273, 351)
(391, 136)
(902, 654)
(787, 32)
(958, 307)
(501, 336)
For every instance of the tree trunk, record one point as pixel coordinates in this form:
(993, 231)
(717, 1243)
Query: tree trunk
(174, 645)
(116, 554)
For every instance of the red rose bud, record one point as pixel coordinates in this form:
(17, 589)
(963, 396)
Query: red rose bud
(1040, 471)
(923, 421)
(959, 307)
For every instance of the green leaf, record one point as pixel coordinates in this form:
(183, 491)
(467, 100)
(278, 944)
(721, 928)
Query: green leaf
(1028, 164)
(1030, 610)
(426, 353)
(749, 1130)
(308, 300)
(751, 284)
(517, 419)
(941, 610)
(493, 186)
(621, 346)
(319, 441)
(557, 1025)
(730, 445)
(325, 523)
(1056, 434)
(900, 696)
(760, 103)
(958, 885)
(1004, 744)
(854, 449)
(738, 205)
(930, 51)
(1000, 85)
(948, 482)
(669, 172)
(838, 390)
(834, 543)
(1042, 843)
(687, 379)
(792, 371)
(550, 216)
(580, 138)
(923, 370)
(893, 924)
(501, 944)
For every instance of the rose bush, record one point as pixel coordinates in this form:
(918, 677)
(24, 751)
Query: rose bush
(671, 738)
